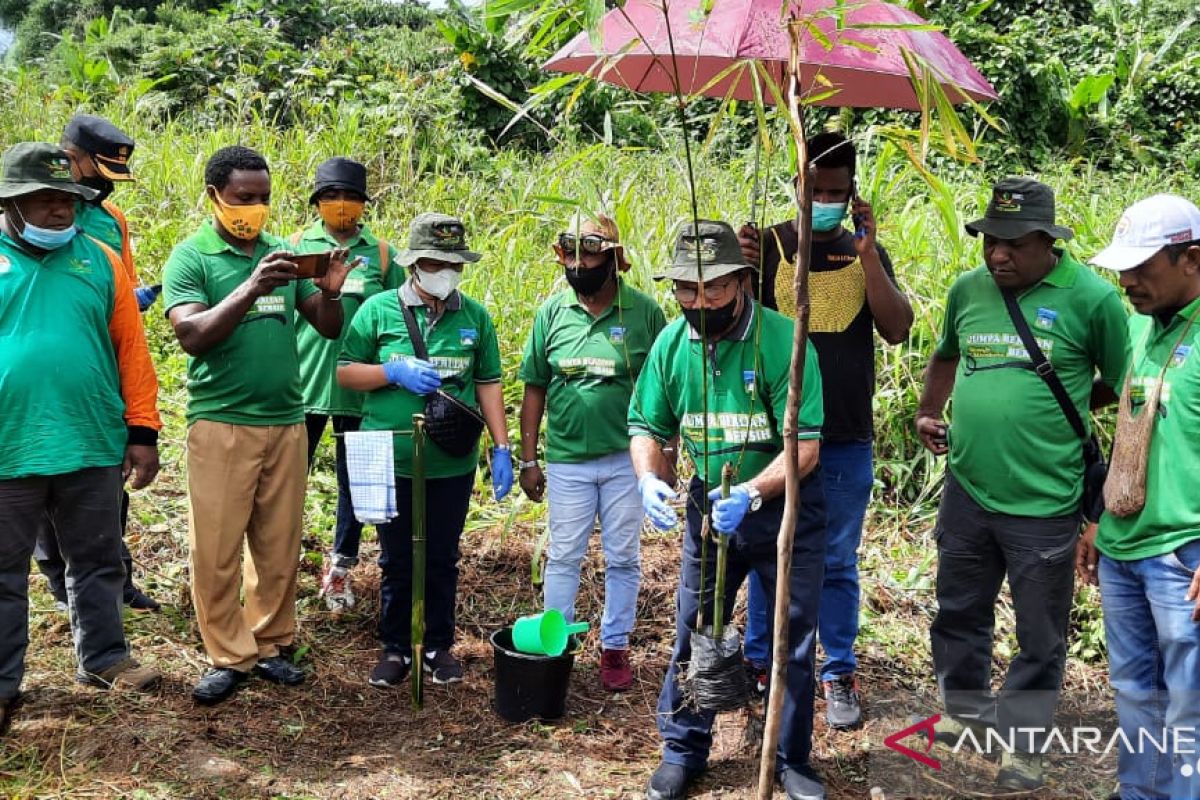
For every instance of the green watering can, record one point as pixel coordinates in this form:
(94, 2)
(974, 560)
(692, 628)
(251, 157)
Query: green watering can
(544, 634)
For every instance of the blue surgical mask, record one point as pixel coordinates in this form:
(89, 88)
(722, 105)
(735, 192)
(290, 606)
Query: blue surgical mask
(45, 238)
(827, 216)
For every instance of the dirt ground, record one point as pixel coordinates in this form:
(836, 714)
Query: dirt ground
(336, 737)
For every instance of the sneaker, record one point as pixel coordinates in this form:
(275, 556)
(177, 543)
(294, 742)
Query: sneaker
(671, 782)
(218, 685)
(137, 600)
(335, 588)
(1023, 772)
(390, 672)
(443, 667)
(949, 730)
(801, 784)
(127, 675)
(757, 676)
(615, 673)
(843, 710)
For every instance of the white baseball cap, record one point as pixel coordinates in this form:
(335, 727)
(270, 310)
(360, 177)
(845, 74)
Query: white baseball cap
(1148, 226)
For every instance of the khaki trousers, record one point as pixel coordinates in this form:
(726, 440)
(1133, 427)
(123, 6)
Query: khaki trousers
(246, 510)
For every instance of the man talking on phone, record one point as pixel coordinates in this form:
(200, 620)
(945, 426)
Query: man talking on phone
(231, 292)
(853, 293)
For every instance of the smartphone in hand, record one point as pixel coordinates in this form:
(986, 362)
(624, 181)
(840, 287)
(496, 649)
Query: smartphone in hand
(311, 265)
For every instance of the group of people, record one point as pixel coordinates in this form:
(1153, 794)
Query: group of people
(1031, 342)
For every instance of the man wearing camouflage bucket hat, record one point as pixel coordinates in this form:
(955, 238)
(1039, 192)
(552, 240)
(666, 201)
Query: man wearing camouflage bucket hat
(1011, 506)
(73, 435)
(379, 358)
(738, 422)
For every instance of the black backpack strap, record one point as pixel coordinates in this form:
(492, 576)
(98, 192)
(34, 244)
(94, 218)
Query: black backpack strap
(1043, 367)
(414, 330)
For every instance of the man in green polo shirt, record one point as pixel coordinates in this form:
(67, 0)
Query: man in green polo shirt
(1149, 559)
(231, 293)
(707, 381)
(586, 349)
(1011, 504)
(340, 197)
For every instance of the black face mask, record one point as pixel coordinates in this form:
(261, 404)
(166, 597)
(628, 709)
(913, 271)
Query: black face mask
(715, 320)
(102, 185)
(588, 282)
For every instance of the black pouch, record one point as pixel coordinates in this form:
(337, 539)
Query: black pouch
(1095, 472)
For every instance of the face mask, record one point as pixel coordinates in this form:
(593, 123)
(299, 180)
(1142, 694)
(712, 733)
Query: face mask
(440, 284)
(588, 282)
(714, 320)
(101, 184)
(827, 216)
(244, 222)
(45, 238)
(341, 215)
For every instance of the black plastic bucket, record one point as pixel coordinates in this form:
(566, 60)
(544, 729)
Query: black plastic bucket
(529, 686)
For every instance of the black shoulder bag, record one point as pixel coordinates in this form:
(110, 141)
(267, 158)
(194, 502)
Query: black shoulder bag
(451, 424)
(1095, 470)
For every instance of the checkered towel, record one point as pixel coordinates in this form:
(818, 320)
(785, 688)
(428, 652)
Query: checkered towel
(371, 466)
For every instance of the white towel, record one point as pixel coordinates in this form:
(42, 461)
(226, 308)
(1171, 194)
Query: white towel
(370, 462)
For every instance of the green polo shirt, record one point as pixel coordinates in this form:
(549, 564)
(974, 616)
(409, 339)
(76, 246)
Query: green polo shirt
(99, 223)
(1171, 516)
(318, 355)
(587, 365)
(1011, 447)
(462, 346)
(253, 377)
(60, 392)
(747, 394)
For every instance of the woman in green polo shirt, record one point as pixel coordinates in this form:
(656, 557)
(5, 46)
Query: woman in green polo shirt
(586, 350)
(378, 358)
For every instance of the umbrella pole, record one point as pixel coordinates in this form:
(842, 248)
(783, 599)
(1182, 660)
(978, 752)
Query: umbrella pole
(418, 559)
(787, 529)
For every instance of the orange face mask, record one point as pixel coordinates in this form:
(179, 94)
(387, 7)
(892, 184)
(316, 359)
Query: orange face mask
(244, 222)
(341, 215)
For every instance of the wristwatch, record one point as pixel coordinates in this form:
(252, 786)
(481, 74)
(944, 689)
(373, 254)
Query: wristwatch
(524, 465)
(755, 497)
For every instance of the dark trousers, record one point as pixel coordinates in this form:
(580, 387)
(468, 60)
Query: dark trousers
(976, 550)
(347, 531)
(687, 733)
(50, 561)
(84, 507)
(446, 503)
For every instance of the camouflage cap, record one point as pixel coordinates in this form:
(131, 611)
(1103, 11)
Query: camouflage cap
(30, 167)
(437, 236)
(711, 246)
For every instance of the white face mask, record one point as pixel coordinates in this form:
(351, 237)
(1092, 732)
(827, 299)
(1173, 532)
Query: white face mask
(440, 284)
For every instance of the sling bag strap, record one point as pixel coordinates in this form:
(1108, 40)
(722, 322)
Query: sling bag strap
(414, 330)
(1043, 367)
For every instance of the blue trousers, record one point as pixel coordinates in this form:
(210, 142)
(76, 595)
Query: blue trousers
(687, 733)
(847, 474)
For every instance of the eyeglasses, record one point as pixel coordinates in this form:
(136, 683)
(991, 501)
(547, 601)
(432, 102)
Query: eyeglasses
(590, 244)
(712, 291)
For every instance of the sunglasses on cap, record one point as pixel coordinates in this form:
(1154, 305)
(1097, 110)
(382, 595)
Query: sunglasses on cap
(449, 231)
(591, 244)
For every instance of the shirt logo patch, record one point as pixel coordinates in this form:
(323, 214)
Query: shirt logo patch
(80, 265)
(1180, 355)
(467, 336)
(1046, 318)
(748, 380)
(617, 334)
(270, 304)
(352, 286)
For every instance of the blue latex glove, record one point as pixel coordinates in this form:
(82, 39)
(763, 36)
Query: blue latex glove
(418, 376)
(502, 471)
(146, 295)
(728, 512)
(655, 494)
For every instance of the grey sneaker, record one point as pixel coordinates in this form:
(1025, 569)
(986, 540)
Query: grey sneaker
(442, 666)
(1023, 772)
(949, 730)
(335, 588)
(843, 708)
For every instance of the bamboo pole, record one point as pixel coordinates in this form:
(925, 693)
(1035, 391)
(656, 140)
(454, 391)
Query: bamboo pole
(787, 529)
(718, 622)
(418, 560)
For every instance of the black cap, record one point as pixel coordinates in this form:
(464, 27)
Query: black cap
(107, 144)
(340, 173)
(1019, 206)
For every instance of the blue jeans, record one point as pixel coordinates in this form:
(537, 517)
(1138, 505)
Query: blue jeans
(1154, 666)
(347, 530)
(848, 475)
(686, 732)
(607, 487)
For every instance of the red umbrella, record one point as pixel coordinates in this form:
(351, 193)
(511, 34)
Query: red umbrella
(854, 54)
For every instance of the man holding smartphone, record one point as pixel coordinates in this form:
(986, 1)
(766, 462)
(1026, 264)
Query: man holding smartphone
(853, 293)
(231, 293)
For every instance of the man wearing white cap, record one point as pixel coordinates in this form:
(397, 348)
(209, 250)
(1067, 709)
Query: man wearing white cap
(1147, 549)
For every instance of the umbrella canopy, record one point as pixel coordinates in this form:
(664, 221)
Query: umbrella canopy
(863, 60)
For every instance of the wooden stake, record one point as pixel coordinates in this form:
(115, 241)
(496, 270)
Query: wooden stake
(418, 560)
(787, 529)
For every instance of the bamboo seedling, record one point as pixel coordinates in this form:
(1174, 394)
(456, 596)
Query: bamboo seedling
(718, 622)
(418, 559)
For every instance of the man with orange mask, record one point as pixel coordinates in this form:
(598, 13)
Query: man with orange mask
(340, 196)
(231, 292)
